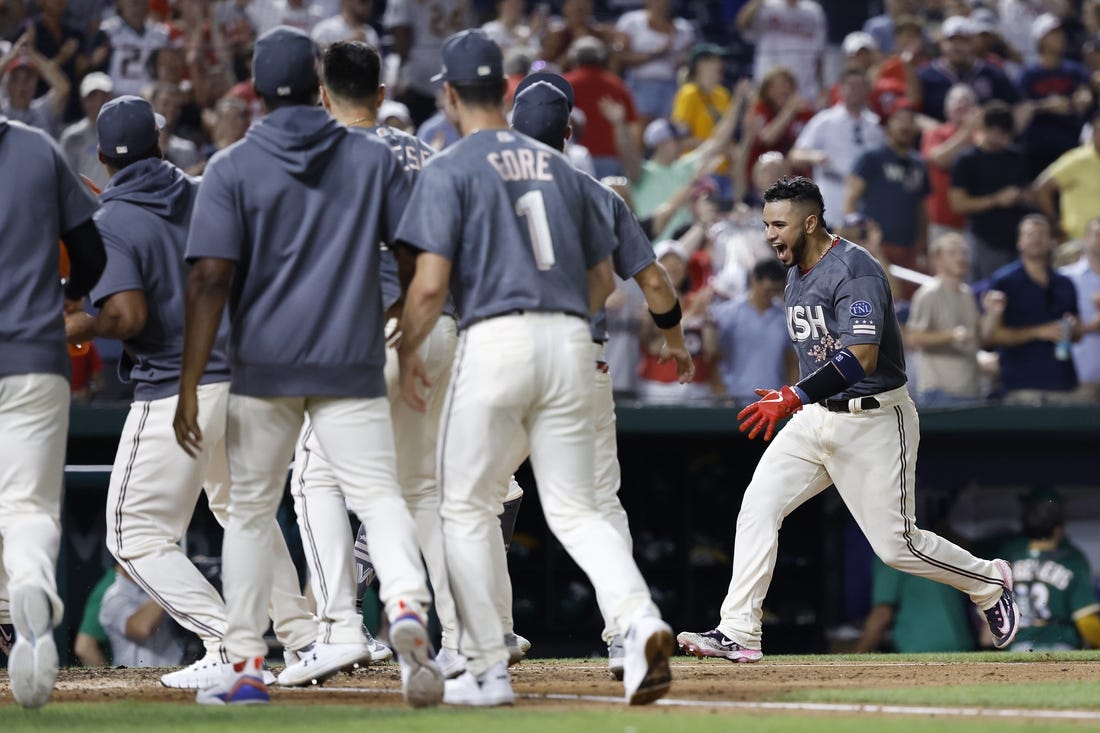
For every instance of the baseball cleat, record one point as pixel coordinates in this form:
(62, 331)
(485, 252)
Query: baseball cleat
(451, 663)
(492, 687)
(206, 672)
(421, 678)
(647, 647)
(320, 661)
(615, 657)
(379, 652)
(241, 684)
(7, 638)
(517, 648)
(32, 663)
(714, 643)
(1004, 616)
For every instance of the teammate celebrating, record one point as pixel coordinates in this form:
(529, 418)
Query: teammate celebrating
(154, 486)
(525, 285)
(539, 113)
(287, 227)
(855, 428)
(41, 199)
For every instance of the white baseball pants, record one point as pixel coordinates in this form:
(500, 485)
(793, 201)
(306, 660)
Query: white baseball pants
(152, 495)
(871, 458)
(322, 512)
(357, 437)
(523, 383)
(34, 422)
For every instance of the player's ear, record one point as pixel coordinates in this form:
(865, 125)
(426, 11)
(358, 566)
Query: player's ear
(325, 101)
(379, 96)
(811, 223)
(569, 132)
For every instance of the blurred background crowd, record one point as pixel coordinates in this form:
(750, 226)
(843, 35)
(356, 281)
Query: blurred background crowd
(952, 138)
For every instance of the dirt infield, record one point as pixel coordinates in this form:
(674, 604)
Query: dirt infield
(582, 683)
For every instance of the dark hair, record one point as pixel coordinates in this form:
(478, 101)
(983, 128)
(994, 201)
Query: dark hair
(127, 161)
(998, 115)
(480, 93)
(769, 269)
(797, 189)
(351, 70)
(304, 99)
(1041, 517)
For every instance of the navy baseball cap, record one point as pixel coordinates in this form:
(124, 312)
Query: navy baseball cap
(542, 112)
(284, 63)
(471, 55)
(557, 80)
(127, 126)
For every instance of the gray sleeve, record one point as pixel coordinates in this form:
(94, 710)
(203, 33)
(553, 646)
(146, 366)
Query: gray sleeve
(216, 227)
(121, 273)
(861, 305)
(436, 192)
(635, 251)
(397, 188)
(597, 231)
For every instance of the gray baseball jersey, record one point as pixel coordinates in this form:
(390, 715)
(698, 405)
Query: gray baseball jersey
(842, 301)
(146, 209)
(633, 250)
(412, 154)
(40, 198)
(508, 252)
(301, 205)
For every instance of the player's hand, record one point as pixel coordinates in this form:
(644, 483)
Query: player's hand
(685, 367)
(413, 374)
(765, 413)
(79, 326)
(186, 422)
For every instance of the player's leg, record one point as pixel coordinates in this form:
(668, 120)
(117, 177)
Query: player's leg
(356, 435)
(150, 500)
(416, 438)
(562, 430)
(294, 624)
(34, 421)
(482, 438)
(874, 467)
(260, 437)
(788, 474)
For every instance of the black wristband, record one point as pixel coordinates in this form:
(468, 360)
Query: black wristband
(839, 373)
(671, 319)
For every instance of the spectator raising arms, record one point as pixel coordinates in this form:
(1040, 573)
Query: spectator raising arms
(777, 117)
(656, 44)
(787, 33)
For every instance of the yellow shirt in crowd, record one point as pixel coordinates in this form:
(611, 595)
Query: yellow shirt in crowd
(1077, 174)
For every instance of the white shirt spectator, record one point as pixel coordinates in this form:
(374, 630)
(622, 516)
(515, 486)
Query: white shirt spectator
(130, 52)
(431, 22)
(1086, 352)
(81, 146)
(164, 648)
(843, 138)
(337, 28)
(509, 38)
(644, 39)
(1016, 20)
(267, 14)
(793, 37)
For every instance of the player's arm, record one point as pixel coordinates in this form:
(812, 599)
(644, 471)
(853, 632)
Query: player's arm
(601, 283)
(87, 258)
(423, 305)
(121, 317)
(207, 293)
(664, 308)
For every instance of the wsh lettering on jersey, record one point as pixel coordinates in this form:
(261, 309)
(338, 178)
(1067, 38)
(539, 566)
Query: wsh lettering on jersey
(806, 322)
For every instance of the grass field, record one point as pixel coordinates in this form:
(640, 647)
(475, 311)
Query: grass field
(958, 693)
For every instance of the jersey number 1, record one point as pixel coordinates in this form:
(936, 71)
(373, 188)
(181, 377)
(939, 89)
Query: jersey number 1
(532, 208)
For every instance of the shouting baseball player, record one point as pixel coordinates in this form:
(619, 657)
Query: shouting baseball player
(539, 113)
(41, 200)
(154, 486)
(525, 284)
(287, 228)
(853, 426)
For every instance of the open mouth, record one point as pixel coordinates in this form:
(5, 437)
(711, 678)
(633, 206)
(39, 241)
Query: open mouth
(780, 249)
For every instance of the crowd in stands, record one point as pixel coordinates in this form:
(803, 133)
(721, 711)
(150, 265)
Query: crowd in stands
(952, 138)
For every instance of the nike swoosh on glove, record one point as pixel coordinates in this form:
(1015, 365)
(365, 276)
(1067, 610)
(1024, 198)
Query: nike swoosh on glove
(765, 413)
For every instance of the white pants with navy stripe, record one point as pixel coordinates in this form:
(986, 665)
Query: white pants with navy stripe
(152, 494)
(356, 435)
(523, 384)
(871, 458)
(34, 422)
(322, 512)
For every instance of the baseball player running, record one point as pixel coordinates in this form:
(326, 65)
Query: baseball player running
(287, 228)
(853, 426)
(154, 485)
(525, 284)
(41, 199)
(539, 113)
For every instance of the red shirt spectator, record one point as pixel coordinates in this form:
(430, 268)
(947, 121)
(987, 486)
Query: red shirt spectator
(778, 99)
(590, 84)
(87, 366)
(939, 209)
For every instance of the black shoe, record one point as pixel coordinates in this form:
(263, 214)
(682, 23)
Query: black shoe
(1004, 617)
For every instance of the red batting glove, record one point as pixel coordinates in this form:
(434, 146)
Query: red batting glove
(774, 405)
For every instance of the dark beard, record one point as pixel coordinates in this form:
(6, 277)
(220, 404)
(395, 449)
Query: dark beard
(798, 249)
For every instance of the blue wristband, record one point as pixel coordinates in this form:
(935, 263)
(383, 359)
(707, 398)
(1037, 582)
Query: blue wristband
(848, 365)
(841, 372)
